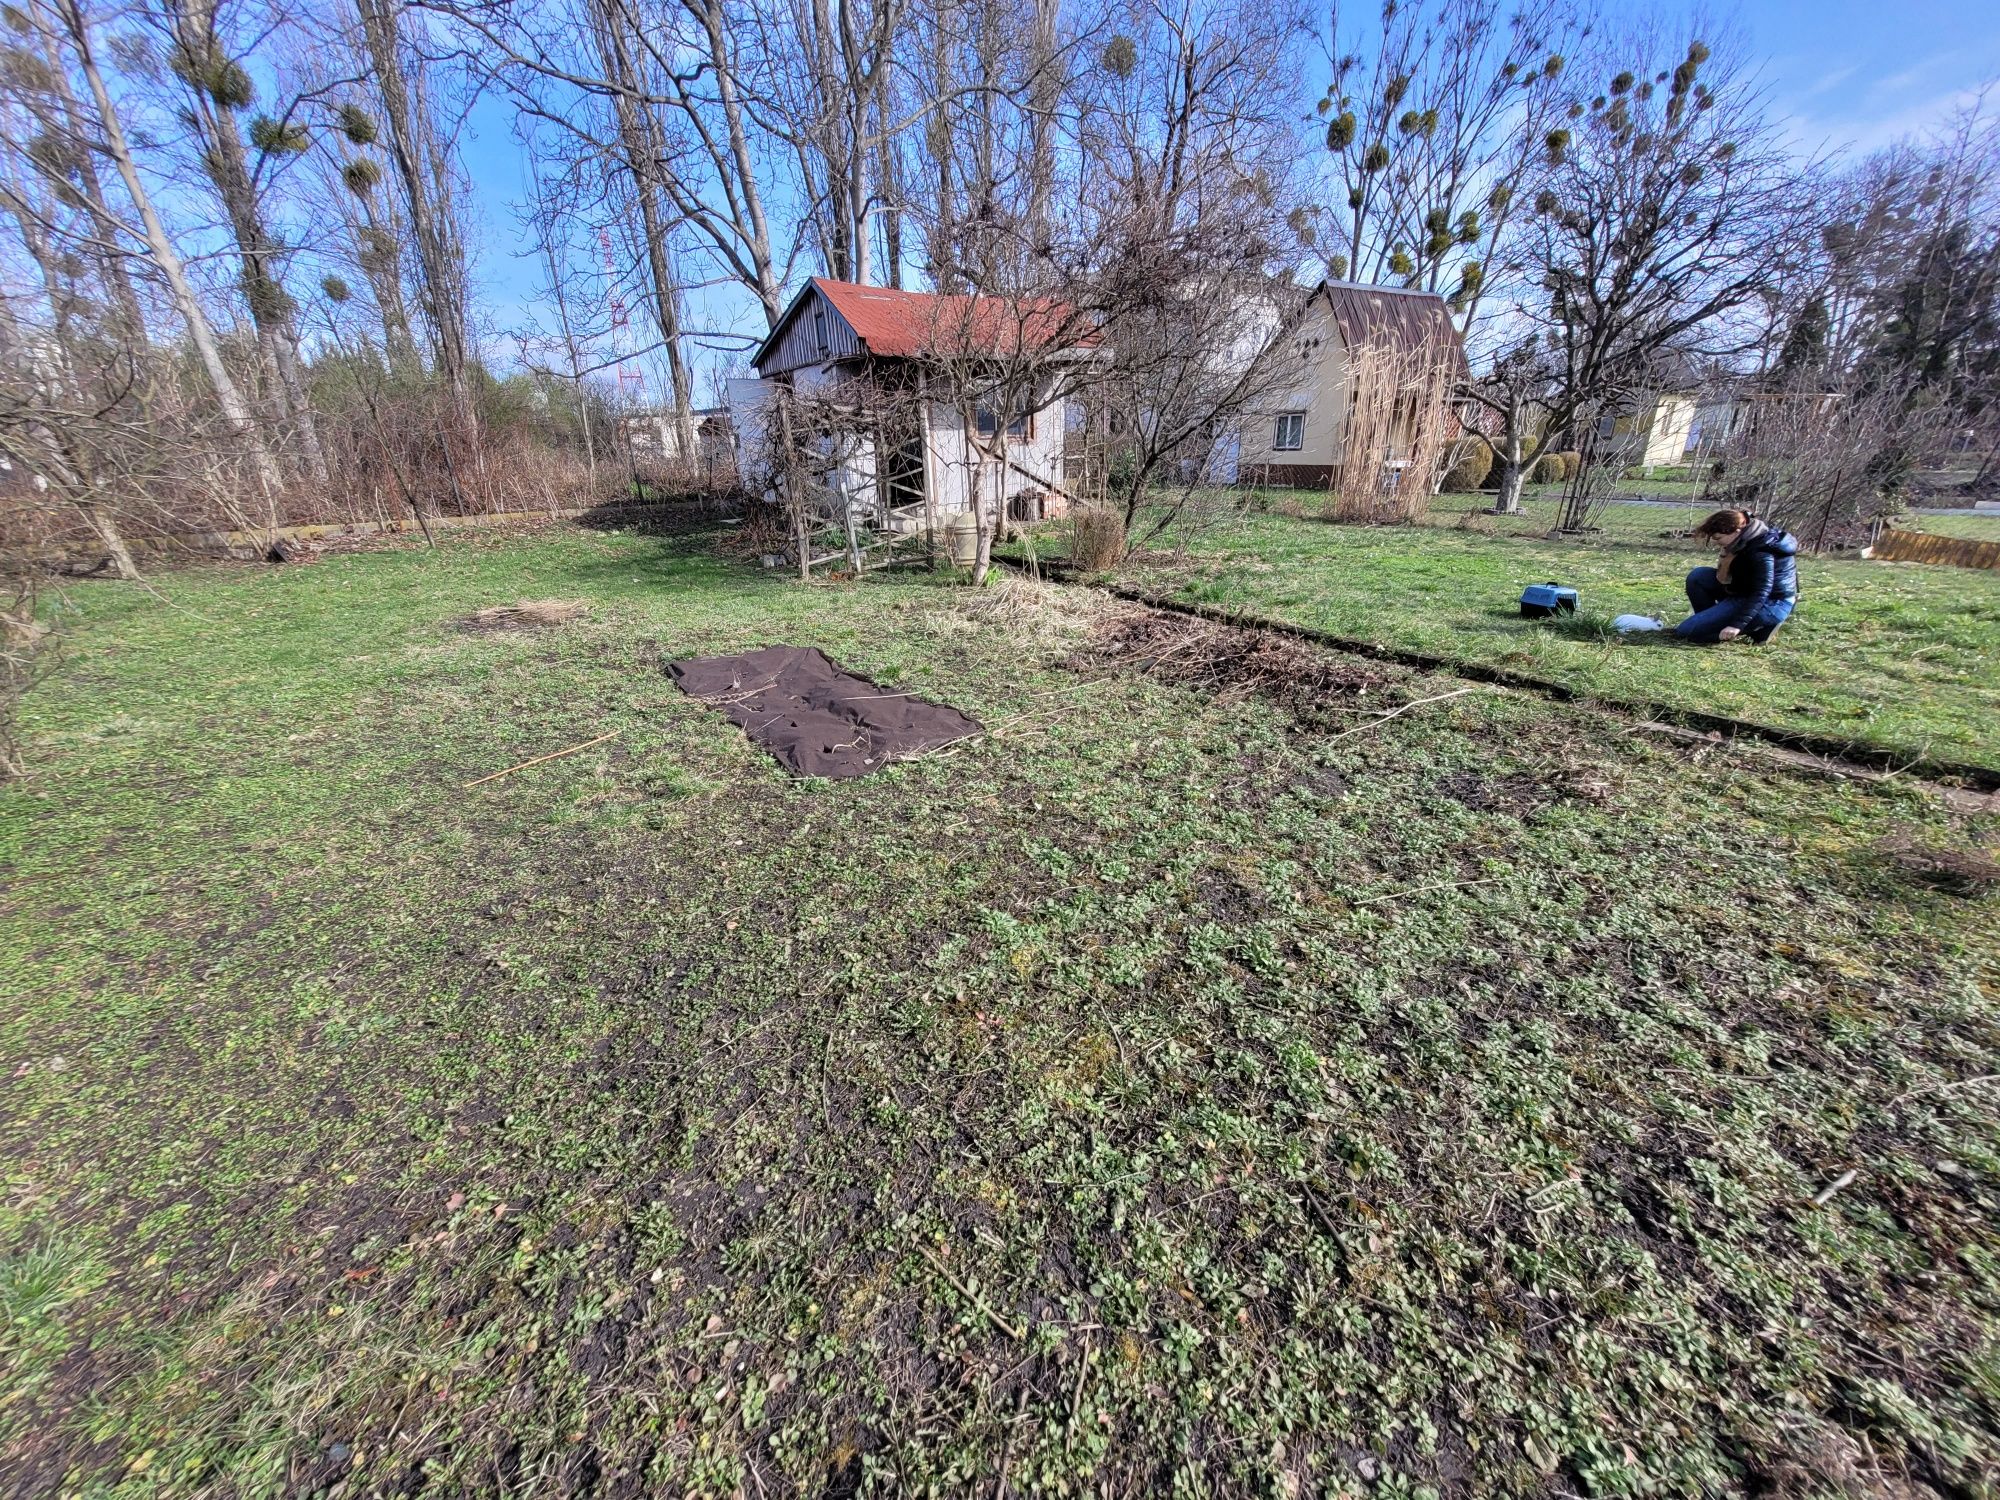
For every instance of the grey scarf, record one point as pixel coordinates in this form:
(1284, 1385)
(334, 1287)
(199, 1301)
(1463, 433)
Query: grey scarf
(1754, 530)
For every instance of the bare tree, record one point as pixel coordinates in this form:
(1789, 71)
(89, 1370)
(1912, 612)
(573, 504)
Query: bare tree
(1435, 138)
(417, 149)
(1189, 233)
(1666, 210)
(74, 28)
(833, 99)
(642, 152)
(217, 89)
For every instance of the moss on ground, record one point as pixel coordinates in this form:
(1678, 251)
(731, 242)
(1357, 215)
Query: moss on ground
(1166, 1094)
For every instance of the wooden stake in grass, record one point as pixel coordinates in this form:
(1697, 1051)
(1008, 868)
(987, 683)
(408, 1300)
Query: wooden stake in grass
(552, 755)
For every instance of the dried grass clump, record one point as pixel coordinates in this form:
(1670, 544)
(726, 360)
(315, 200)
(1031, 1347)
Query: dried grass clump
(1097, 538)
(529, 614)
(1230, 662)
(1396, 439)
(1044, 620)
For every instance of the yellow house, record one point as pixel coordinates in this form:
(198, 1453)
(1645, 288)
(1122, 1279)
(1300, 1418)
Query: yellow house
(1297, 434)
(1660, 433)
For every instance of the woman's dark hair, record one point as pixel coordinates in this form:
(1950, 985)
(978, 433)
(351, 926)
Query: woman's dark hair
(1722, 523)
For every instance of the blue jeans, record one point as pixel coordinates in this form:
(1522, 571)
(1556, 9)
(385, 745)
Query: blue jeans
(1713, 608)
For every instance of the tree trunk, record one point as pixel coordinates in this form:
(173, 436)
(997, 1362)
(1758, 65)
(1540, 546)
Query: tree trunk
(105, 524)
(1044, 94)
(645, 153)
(234, 412)
(1513, 477)
(128, 321)
(229, 170)
(442, 269)
(889, 187)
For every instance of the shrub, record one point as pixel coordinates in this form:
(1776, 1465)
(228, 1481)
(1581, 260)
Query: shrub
(1097, 538)
(1572, 463)
(1548, 469)
(1470, 467)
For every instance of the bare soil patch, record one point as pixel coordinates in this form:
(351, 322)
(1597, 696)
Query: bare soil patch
(1230, 662)
(1968, 872)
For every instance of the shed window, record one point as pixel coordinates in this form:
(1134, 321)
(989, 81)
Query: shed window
(1291, 432)
(1022, 426)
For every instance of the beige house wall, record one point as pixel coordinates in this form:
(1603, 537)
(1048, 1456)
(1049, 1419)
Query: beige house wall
(1317, 388)
(1659, 433)
(1666, 440)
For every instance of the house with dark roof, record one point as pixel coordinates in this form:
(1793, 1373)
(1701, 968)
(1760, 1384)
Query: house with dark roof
(925, 365)
(1299, 431)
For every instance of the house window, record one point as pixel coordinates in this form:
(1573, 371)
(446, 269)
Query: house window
(1022, 426)
(819, 327)
(1291, 432)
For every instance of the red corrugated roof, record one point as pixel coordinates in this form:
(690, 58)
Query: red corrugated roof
(897, 325)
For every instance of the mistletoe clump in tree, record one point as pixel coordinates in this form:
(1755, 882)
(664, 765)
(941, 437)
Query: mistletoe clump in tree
(1432, 137)
(1666, 208)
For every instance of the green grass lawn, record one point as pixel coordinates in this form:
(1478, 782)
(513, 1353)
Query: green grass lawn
(1899, 657)
(1163, 1095)
(1675, 512)
(1541, 510)
(1977, 528)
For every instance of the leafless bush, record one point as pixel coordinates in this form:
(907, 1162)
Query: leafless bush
(1097, 538)
(1397, 438)
(1824, 464)
(102, 458)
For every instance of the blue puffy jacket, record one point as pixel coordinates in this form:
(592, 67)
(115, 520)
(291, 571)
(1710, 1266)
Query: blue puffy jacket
(1763, 570)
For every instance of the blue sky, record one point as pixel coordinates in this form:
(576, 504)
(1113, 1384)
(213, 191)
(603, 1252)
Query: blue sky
(1860, 74)
(1848, 76)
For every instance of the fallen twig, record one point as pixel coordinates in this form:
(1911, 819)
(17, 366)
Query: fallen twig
(970, 1296)
(552, 755)
(1825, 1194)
(1382, 719)
(1435, 885)
(1007, 1448)
(1945, 1088)
(1076, 1397)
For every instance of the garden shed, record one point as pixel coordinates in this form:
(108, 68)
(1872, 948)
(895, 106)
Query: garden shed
(950, 396)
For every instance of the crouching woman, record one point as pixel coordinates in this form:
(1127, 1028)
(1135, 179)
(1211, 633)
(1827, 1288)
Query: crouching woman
(1753, 586)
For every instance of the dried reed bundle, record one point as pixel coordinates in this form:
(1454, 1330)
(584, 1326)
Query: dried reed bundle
(1396, 438)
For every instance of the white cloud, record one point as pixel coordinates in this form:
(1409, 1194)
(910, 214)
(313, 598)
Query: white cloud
(1915, 119)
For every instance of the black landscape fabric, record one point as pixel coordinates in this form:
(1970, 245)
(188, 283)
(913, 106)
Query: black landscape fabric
(816, 719)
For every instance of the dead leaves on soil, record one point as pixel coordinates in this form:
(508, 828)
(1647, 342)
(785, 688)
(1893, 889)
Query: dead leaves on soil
(1227, 661)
